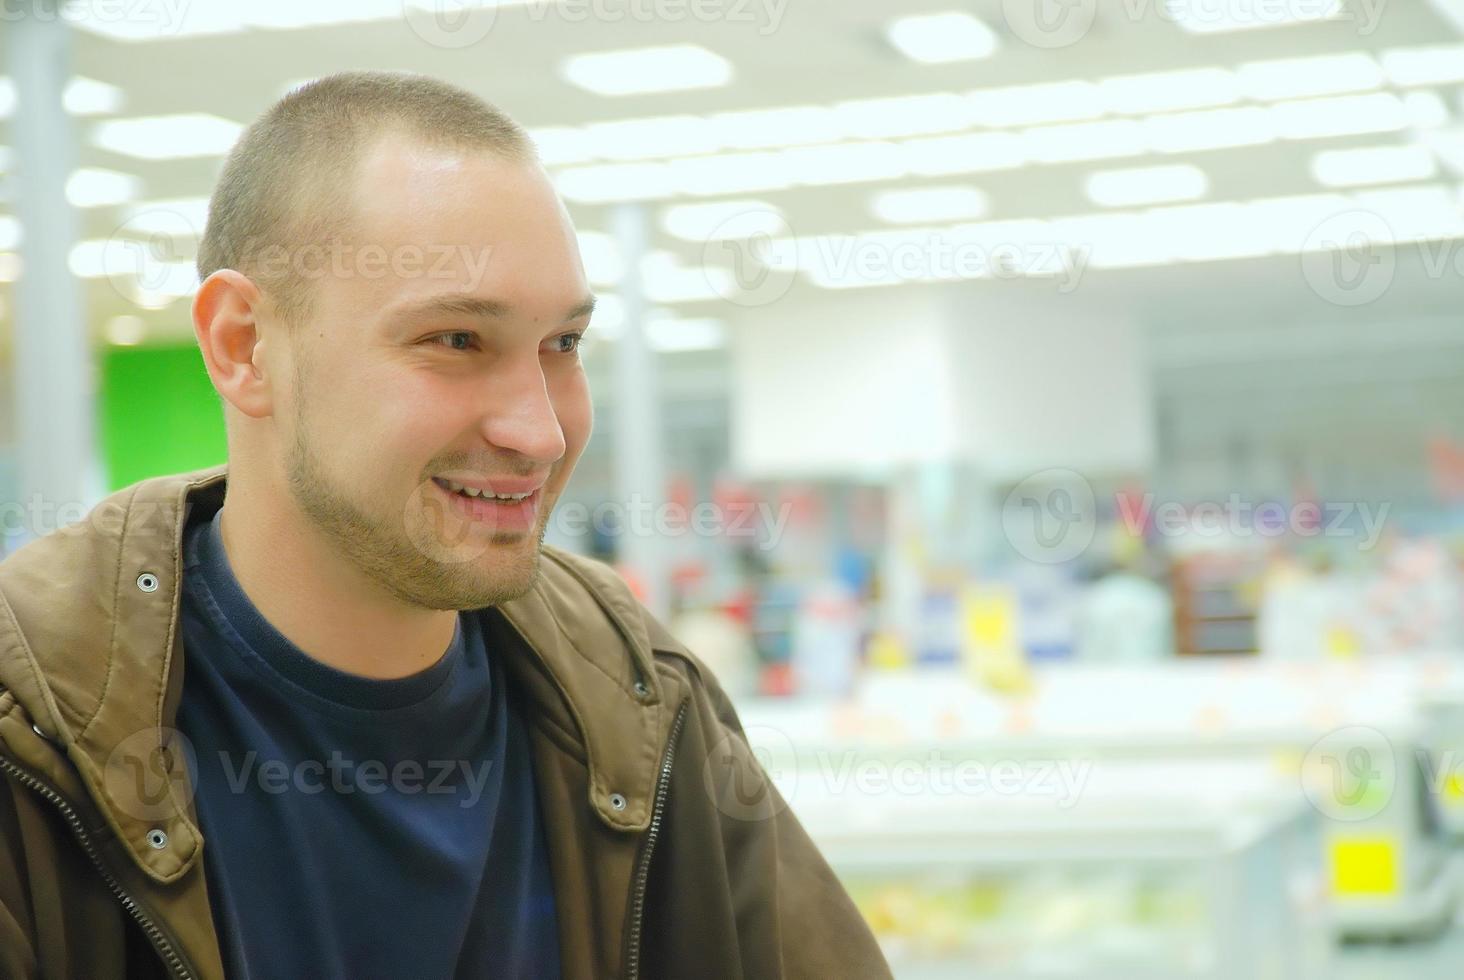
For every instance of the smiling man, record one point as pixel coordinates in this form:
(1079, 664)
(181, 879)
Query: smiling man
(333, 710)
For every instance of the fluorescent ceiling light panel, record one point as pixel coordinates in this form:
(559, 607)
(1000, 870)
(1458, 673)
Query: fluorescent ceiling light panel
(729, 173)
(722, 220)
(1169, 91)
(975, 153)
(89, 97)
(844, 163)
(1380, 112)
(603, 183)
(125, 331)
(180, 217)
(601, 258)
(1026, 105)
(167, 137)
(93, 187)
(1219, 16)
(938, 39)
(1086, 141)
(1113, 240)
(913, 115)
(1440, 64)
(636, 71)
(562, 145)
(666, 280)
(1416, 214)
(680, 334)
(9, 231)
(926, 205)
(1147, 185)
(1374, 165)
(1295, 78)
(755, 129)
(1209, 129)
(657, 136)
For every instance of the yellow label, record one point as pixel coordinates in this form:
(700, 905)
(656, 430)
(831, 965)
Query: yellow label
(1365, 866)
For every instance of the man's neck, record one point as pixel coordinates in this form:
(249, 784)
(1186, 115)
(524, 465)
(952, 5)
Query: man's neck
(321, 604)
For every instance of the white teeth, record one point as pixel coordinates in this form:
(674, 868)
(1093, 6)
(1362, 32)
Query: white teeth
(487, 494)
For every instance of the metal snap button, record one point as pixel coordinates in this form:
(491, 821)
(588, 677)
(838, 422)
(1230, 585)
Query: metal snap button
(641, 690)
(157, 839)
(617, 801)
(147, 582)
(37, 729)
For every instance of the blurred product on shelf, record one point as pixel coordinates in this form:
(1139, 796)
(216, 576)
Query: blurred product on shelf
(1125, 618)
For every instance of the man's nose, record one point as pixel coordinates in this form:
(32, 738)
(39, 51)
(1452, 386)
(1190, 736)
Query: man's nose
(521, 416)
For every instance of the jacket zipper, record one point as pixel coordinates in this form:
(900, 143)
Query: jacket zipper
(164, 947)
(638, 894)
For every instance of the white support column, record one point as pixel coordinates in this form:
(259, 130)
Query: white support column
(640, 479)
(52, 364)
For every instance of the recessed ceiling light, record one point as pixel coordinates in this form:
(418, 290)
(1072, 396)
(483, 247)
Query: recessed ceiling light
(729, 173)
(1373, 165)
(1425, 65)
(601, 258)
(1027, 105)
(1085, 141)
(929, 205)
(1381, 112)
(1296, 78)
(92, 187)
(1217, 16)
(937, 39)
(1147, 185)
(909, 115)
(179, 217)
(194, 134)
(755, 129)
(720, 220)
(1209, 129)
(89, 97)
(658, 136)
(126, 330)
(681, 334)
(603, 183)
(634, 71)
(1168, 91)
(9, 231)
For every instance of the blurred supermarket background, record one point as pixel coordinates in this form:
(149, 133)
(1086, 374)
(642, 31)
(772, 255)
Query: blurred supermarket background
(1047, 416)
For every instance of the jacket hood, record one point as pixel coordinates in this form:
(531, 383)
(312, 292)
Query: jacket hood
(88, 647)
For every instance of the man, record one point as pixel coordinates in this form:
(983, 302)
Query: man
(333, 710)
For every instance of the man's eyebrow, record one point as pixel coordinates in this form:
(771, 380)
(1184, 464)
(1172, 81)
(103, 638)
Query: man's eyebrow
(474, 306)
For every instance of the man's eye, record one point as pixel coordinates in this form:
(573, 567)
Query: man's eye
(457, 340)
(568, 343)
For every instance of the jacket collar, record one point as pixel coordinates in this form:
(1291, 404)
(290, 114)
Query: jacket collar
(88, 646)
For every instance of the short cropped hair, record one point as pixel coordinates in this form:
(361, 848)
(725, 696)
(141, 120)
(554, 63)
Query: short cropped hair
(287, 182)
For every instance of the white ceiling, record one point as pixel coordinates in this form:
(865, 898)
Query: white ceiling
(784, 53)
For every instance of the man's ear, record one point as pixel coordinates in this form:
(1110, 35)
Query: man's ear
(226, 322)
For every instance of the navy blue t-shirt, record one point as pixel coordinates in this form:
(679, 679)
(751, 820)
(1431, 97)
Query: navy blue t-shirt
(358, 828)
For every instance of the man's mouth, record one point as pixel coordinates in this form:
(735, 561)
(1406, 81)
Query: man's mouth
(515, 512)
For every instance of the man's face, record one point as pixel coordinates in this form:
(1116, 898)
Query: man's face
(440, 354)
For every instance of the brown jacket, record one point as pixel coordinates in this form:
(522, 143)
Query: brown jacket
(672, 856)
